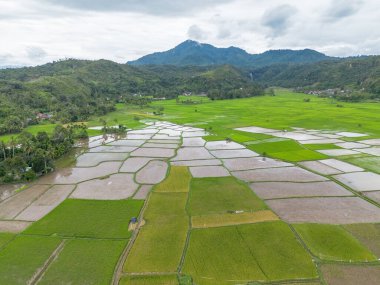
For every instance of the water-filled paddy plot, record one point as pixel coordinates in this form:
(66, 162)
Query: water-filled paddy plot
(173, 202)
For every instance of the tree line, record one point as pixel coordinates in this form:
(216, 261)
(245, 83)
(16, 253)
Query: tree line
(28, 156)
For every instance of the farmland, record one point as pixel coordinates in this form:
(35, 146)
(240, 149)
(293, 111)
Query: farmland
(250, 252)
(220, 195)
(4, 238)
(330, 242)
(21, 258)
(86, 218)
(166, 224)
(206, 203)
(93, 261)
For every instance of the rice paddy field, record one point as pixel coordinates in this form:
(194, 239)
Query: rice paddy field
(88, 219)
(93, 260)
(250, 191)
(330, 242)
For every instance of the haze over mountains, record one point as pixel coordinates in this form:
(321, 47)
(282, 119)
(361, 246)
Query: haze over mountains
(201, 54)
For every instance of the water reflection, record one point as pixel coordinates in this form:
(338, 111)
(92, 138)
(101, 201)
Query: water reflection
(7, 190)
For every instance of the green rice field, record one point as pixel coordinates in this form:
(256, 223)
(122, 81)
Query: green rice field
(84, 261)
(263, 251)
(220, 195)
(166, 224)
(330, 242)
(88, 218)
(22, 257)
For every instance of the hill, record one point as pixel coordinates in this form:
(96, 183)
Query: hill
(359, 76)
(199, 54)
(73, 90)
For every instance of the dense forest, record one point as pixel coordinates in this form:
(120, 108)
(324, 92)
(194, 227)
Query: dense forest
(73, 90)
(27, 156)
(357, 78)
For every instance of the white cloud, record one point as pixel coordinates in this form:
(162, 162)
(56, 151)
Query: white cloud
(340, 9)
(37, 31)
(278, 19)
(156, 7)
(34, 52)
(196, 33)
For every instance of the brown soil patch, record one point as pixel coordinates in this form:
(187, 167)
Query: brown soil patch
(13, 226)
(164, 137)
(285, 174)
(192, 153)
(375, 196)
(11, 207)
(143, 131)
(143, 192)
(116, 187)
(338, 152)
(374, 142)
(161, 145)
(202, 162)
(276, 190)
(341, 165)
(367, 234)
(46, 203)
(138, 137)
(360, 181)
(372, 151)
(111, 148)
(169, 141)
(209, 171)
(170, 132)
(236, 164)
(327, 210)
(154, 172)
(154, 152)
(8, 190)
(133, 164)
(187, 134)
(93, 159)
(193, 142)
(215, 145)
(350, 275)
(76, 175)
(234, 153)
(256, 130)
(320, 167)
(127, 143)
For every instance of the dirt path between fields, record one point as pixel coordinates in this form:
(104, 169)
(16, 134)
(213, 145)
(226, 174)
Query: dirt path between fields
(41, 271)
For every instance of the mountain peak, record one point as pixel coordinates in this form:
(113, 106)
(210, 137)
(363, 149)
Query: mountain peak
(189, 43)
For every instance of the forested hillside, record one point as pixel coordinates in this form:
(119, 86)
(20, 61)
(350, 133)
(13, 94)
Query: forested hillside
(192, 53)
(360, 74)
(73, 90)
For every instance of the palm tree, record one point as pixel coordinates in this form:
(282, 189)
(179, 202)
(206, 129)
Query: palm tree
(13, 145)
(4, 150)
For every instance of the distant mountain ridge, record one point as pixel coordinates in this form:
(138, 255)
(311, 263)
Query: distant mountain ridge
(192, 53)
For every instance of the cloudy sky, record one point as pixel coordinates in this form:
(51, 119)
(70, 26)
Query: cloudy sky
(38, 31)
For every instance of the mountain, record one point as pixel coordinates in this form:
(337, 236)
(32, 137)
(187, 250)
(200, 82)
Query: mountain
(199, 54)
